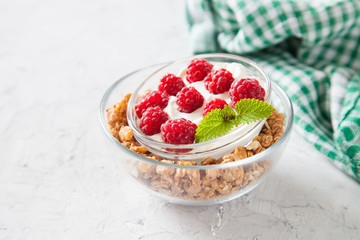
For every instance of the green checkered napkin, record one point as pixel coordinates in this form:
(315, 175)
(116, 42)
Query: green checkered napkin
(311, 48)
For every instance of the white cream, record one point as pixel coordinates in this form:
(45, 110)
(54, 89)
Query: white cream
(238, 71)
(196, 116)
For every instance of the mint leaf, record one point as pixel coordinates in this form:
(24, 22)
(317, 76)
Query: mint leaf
(229, 112)
(252, 110)
(216, 123)
(219, 122)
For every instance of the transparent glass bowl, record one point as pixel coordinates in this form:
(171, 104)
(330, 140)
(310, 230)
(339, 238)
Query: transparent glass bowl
(240, 136)
(193, 185)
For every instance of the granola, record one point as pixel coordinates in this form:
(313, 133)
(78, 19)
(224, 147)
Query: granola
(197, 184)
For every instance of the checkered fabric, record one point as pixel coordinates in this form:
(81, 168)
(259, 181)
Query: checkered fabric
(310, 48)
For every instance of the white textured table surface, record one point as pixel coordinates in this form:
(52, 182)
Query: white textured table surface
(57, 180)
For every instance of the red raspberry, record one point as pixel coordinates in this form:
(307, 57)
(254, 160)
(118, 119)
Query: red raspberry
(151, 99)
(189, 99)
(152, 119)
(178, 131)
(171, 84)
(246, 88)
(219, 81)
(197, 70)
(213, 104)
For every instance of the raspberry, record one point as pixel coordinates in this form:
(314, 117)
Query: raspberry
(171, 84)
(152, 119)
(213, 104)
(178, 131)
(246, 88)
(189, 99)
(151, 99)
(219, 81)
(197, 70)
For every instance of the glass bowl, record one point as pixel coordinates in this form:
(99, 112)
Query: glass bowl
(194, 184)
(218, 147)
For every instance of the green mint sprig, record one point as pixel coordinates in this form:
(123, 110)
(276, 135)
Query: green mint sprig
(219, 122)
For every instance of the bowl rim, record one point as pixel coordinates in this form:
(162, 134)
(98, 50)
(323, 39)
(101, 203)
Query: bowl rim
(137, 131)
(274, 87)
